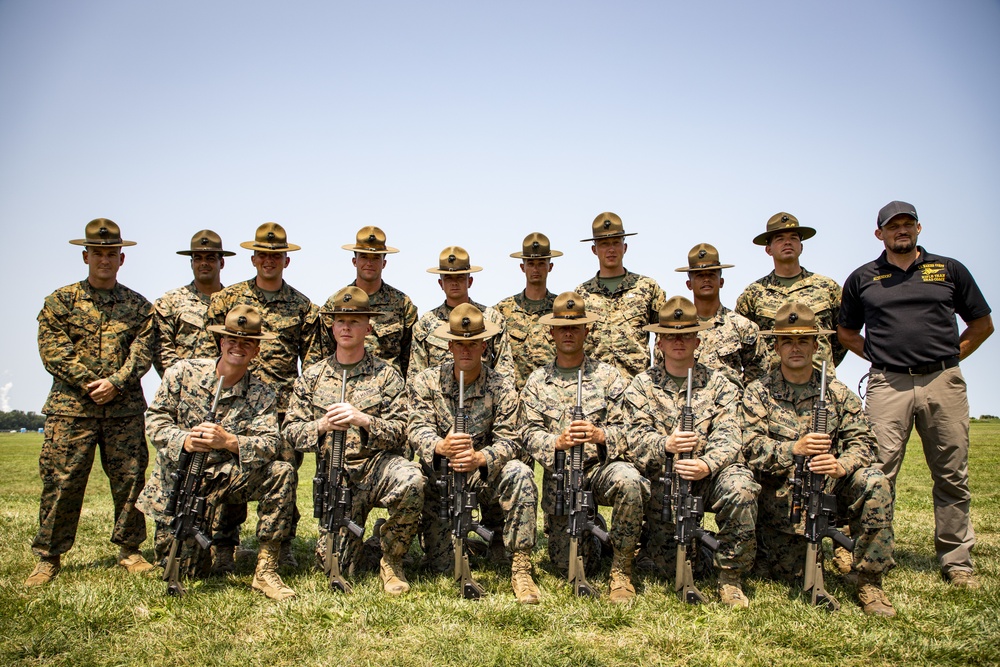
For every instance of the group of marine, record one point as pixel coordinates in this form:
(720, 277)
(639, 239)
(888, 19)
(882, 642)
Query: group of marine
(727, 410)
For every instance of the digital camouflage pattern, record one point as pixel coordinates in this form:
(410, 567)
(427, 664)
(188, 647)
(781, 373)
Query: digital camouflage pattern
(491, 406)
(761, 299)
(374, 458)
(654, 402)
(733, 346)
(618, 338)
(179, 328)
(775, 415)
(530, 342)
(290, 315)
(546, 402)
(429, 350)
(392, 334)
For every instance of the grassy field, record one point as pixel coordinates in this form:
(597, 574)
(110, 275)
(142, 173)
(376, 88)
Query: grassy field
(96, 614)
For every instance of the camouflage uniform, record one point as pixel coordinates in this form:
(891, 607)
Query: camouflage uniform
(84, 335)
(655, 402)
(546, 402)
(429, 350)
(246, 410)
(733, 347)
(775, 416)
(530, 342)
(379, 475)
(618, 338)
(761, 299)
(392, 333)
(179, 328)
(491, 406)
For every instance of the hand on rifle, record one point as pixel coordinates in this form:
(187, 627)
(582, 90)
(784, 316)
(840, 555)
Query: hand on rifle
(579, 432)
(812, 444)
(208, 436)
(680, 442)
(102, 391)
(691, 469)
(341, 416)
(827, 464)
(457, 448)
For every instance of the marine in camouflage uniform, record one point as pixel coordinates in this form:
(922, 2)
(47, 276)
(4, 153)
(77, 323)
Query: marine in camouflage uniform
(392, 333)
(529, 341)
(94, 339)
(761, 299)
(179, 315)
(376, 470)
(546, 422)
(732, 343)
(617, 338)
(488, 454)
(777, 414)
(655, 400)
(429, 349)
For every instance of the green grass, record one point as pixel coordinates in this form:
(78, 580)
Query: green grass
(96, 614)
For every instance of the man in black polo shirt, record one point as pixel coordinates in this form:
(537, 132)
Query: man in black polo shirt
(907, 300)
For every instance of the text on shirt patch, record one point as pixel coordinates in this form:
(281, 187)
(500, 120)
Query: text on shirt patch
(932, 273)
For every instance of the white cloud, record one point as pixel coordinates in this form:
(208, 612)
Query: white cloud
(4, 392)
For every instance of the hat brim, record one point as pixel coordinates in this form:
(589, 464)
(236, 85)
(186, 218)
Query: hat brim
(471, 269)
(797, 332)
(491, 329)
(224, 253)
(804, 233)
(521, 255)
(659, 328)
(692, 269)
(253, 245)
(369, 313)
(220, 330)
(608, 236)
(91, 244)
(369, 251)
(553, 321)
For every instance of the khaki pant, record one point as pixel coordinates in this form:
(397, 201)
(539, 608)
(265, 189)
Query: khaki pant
(938, 406)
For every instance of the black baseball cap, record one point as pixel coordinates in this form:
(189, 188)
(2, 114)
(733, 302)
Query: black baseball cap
(894, 208)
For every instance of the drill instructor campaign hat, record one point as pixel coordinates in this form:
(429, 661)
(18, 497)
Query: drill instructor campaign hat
(242, 321)
(536, 246)
(454, 259)
(350, 300)
(795, 319)
(270, 237)
(466, 322)
(568, 310)
(678, 316)
(607, 225)
(102, 232)
(894, 208)
(206, 241)
(370, 240)
(783, 222)
(703, 257)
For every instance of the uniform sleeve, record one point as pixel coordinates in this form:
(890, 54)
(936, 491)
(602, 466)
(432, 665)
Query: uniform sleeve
(754, 354)
(852, 310)
(970, 304)
(854, 438)
(388, 429)
(162, 418)
(763, 453)
(164, 334)
(422, 423)
(838, 351)
(140, 353)
(301, 425)
(646, 445)
(539, 442)
(615, 421)
(724, 437)
(745, 304)
(406, 339)
(310, 340)
(418, 353)
(55, 346)
(260, 441)
(505, 444)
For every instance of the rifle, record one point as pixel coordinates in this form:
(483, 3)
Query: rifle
(457, 504)
(332, 503)
(820, 508)
(688, 510)
(581, 502)
(186, 504)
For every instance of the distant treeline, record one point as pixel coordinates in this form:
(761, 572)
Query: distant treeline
(17, 419)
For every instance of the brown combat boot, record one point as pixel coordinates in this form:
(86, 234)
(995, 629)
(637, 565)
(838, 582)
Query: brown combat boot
(132, 561)
(393, 578)
(524, 586)
(45, 571)
(266, 579)
(286, 559)
(963, 579)
(843, 559)
(874, 601)
(621, 578)
(731, 589)
(223, 560)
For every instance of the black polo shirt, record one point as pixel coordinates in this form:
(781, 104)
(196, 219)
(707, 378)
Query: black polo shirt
(909, 316)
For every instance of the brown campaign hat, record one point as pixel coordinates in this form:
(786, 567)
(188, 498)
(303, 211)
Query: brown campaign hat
(206, 241)
(466, 322)
(703, 257)
(102, 232)
(677, 316)
(894, 208)
(536, 246)
(783, 222)
(795, 319)
(607, 225)
(569, 309)
(270, 237)
(351, 300)
(454, 260)
(370, 240)
(242, 321)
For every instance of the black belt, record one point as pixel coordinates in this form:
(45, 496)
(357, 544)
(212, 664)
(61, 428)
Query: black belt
(924, 369)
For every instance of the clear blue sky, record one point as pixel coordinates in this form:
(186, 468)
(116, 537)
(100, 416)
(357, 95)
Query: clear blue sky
(474, 123)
